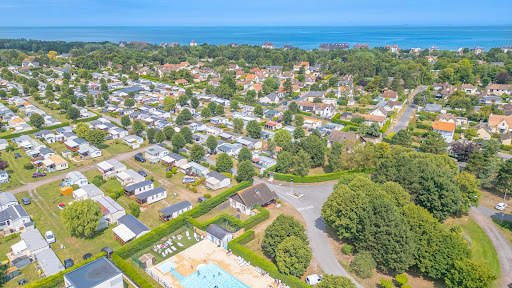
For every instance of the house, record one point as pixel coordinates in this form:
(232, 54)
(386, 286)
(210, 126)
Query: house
(311, 95)
(446, 129)
(499, 89)
(272, 126)
(271, 114)
(13, 219)
(151, 196)
(34, 241)
(100, 273)
(500, 123)
(7, 199)
(111, 210)
(129, 228)
(117, 133)
(49, 262)
(483, 131)
(506, 139)
(89, 191)
(213, 131)
(75, 178)
(4, 176)
(256, 195)
(59, 162)
(136, 188)
(271, 98)
(230, 149)
(216, 180)
(250, 143)
(194, 169)
(341, 136)
(379, 111)
(155, 153)
(173, 211)
(129, 176)
(3, 144)
(219, 235)
(174, 160)
(390, 95)
(89, 152)
(433, 108)
(110, 168)
(133, 141)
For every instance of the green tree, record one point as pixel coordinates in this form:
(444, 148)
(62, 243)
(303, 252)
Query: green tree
(125, 121)
(299, 133)
(100, 102)
(65, 104)
(363, 264)
(160, 136)
(219, 110)
(186, 114)
(234, 105)
(299, 120)
(287, 117)
(81, 130)
(96, 137)
(373, 130)
(194, 102)
(504, 177)
(301, 163)
(187, 134)
(283, 139)
(36, 120)
(253, 129)
(73, 113)
(293, 256)
(244, 154)
(138, 127)
(238, 125)
(293, 107)
(129, 102)
(168, 131)
(434, 143)
(258, 110)
(332, 281)
(80, 102)
(470, 190)
(89, 100)
(282, 227)
(224, 163)
(284, 162)
(169, 103)
(196, 152)
(212, 106)
(334, 159)
(402, 138)
(14, 92)
(178, 142)
(150, 133)
(206, 113)
(245, 171)
(82, 217)
(211, 143)
(469, 274)
(315, 147)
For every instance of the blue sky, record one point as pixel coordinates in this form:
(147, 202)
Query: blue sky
(253, 13)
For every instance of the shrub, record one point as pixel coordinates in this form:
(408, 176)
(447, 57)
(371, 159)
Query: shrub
(174, 170)
(97, 182)
(75, 186)
(204, 163)
(207, 196)
(168, 174)
(363, 264)
(135, 210)
(28, 166)
(401, 279)
(113, 195)
(193, 189)
(347, 249)
(151, 178)
(385, 283)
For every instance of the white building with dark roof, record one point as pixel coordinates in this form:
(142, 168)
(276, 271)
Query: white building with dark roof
(100, 273)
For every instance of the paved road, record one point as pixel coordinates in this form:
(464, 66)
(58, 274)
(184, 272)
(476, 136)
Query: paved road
(402, 122)
(117, 120)
(501, 244)
(46, 180)
(493, 213)
(309, 206)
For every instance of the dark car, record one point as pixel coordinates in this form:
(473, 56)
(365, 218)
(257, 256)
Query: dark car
(168, 169)
(87, 256)
(142, 173)
(22, 281)
(201, 199)
(68, 263)
(108, 251)
(139, 158)
(17, 155)
(38, 174)
(25, 201)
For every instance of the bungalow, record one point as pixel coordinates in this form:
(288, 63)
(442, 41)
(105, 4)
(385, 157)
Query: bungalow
(379, 111)
(230, 149)
(155, 153)
(256, 195)
(129, 176)
(311, 124)
(13, 219)
(174, 160)
(500, 123)
(151, 196)
(198, 126)
(75, 178)
(213, 131)
(499, 89)
(117, 133)
(433, 108)
(194, 169)
(271, 125)
(48, 136)
(133, 141)
(250, 142)
(446, 129)
(173, 211)
(370, 119)
(110, 168)
(100, 273)
(75, 144)
(89, 152)
(390, 95)
(271, 114)
(219, 235)
(3, 144)
(483, 131)
(49, 262)
(89, 191)
(59, 162)
(340, 137)
(216, 180)
(129, 228)
(271, 98)
(7, 199)
(136, 188)
(312, 95)
(111, 210)
(34, 241)
(4, 176)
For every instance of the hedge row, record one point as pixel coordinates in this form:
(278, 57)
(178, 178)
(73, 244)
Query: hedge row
(236, 247)
(58, 279)
(385, 127)
(318, 178)
(128, 269)
(336, 119)
(232, 220)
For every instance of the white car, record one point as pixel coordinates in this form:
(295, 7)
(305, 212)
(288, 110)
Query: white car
(501, 206)
(313, 279)
(50, 237)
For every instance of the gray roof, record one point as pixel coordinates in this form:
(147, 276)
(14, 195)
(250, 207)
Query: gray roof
(151, 192)
(133, 224)
(176, 157)
(136, 186)
(217, 175)
(7, 197)
(433, 107)
(315, 94)
(155, 149)
(169, 210)
(49, 262)
(92, 274)
(217, 231)
(34, 239)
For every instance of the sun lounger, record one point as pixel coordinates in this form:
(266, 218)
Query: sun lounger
(179, 244)
(173, 248)
(169, 251)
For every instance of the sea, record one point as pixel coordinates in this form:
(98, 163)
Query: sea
(310, 37)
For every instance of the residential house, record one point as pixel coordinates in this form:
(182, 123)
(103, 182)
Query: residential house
(194, 169)
(506, 139)
(250, 142)
(173, 211)
(89, 152)
(13, 219)
(256, 195)
(500, 123)
(311, 95)
(133, 141)
(75, 178)
(271, 98)
(390, 95)
(155, 153)
(100, 273)
(216, 180)
(49, 262)
(433, 108)
(151, 196)
(341, 136)
(271, 125)
(117, 133)
(136, 188)
(499, 89)
(110, 168)
(111, 210)
(3, 144)
(213, 131)
(230, 149)
(34, 241)
(7, 199)
(483, 131)
(59, 162)
(129, 228)
(129, 176)
(89, 191)
(4, 176)
(446, 129)
(219, 235)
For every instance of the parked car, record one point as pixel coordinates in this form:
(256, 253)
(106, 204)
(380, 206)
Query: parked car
(87, 256)
(168, 169)
(38, 174)
(142, 173)
(188, 180)
(501, 206)
(22, 281)
(139, 158)
(49, 236)
(314, 279)
(68, 263)
(108, 251)
(201, 199)
(25, 201)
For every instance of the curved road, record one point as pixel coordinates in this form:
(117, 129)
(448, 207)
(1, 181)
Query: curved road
(309, 206)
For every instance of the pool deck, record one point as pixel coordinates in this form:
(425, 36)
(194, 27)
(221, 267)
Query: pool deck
(188, 260)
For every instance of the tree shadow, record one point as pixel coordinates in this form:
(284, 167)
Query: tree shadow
(319, 223)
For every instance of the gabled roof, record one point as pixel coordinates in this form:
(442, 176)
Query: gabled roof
(217, 231)
(340, 136)
(169, 210)
(443, 126)
(152, 192)
(258, 194)
(133, 224)
(135, 186)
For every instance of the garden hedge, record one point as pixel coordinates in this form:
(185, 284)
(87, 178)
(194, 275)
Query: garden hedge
(128, 269)
(318, 178)
(236, 247)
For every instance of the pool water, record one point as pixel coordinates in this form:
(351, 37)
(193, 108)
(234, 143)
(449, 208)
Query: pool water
(166, 266)
(209, 276)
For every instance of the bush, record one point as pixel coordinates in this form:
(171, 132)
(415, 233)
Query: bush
(168, 174)
(207, 196)
(135, 210)
(363, 264)
(75, 187)
(184, 155)
(204, 163)
(401, 279)
(113, 195)
(97, 182)
(318, 178)
(193, 189)
(385, 283)
(347, 249)
(151, 178)
(28, 166)
(174, 170)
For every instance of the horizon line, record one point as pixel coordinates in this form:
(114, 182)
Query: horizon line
(302, 26)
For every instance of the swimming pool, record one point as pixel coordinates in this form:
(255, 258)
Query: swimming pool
(166, 266)
(209, 276)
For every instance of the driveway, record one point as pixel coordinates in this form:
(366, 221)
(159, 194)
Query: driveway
(402, 122)
(495, 214)
(309, 206)
(501, 244)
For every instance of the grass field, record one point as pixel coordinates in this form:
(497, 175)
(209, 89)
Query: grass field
(505, 226)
